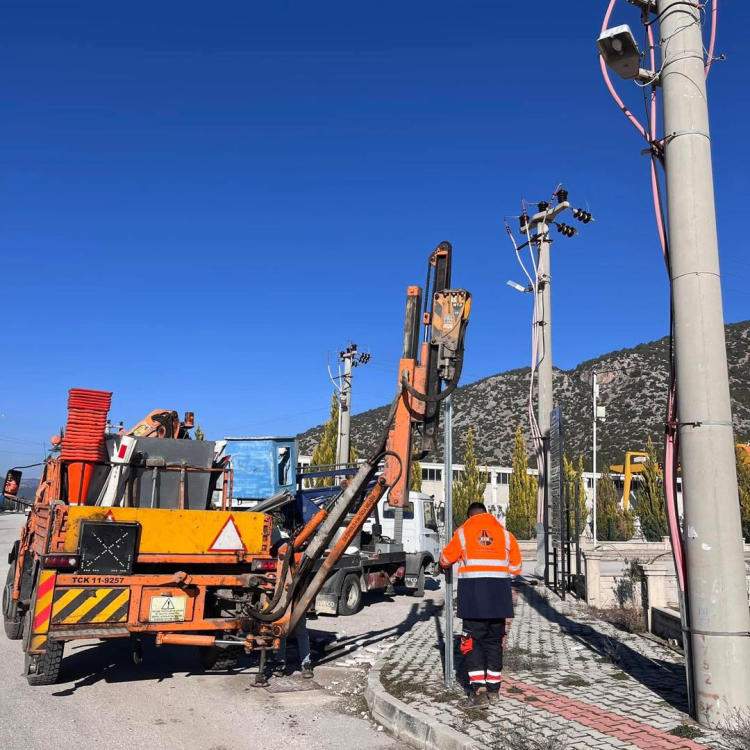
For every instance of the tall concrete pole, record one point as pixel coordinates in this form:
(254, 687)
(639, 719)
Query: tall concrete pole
(717, 594)
(594, 394)
(544, 387)
(345, 409)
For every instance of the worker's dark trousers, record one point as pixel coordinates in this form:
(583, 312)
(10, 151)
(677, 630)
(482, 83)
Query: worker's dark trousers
(482, 647)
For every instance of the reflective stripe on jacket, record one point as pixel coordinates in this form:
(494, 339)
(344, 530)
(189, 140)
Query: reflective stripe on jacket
(488, 557)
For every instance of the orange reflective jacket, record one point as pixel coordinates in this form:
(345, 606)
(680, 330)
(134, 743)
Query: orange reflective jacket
(488, 557)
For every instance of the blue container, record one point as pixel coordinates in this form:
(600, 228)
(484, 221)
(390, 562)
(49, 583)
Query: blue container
(262, 466)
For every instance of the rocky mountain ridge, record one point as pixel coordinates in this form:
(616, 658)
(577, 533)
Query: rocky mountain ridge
(632, 386)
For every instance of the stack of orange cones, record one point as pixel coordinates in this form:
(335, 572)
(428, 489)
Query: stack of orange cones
(83, 445)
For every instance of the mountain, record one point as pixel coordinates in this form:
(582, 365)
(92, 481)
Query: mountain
(632, 386)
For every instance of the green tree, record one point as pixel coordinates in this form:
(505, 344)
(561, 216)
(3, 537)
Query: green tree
(576, 489)
(613, 524)
(743, 483)
(199, 434)
(415, 477)
(471, 485)
(324, 454)
(650, 504)
(521, 517)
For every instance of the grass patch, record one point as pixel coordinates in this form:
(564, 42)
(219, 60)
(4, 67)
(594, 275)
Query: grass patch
(525, 735)
(619, 676)
(475, 714)
(574, 681)
(581, 658)
(736, 731)
(631, 619)
(517, 651)
(531, 698)
(513, 690)
(399, 689)
(686, 731)
(446, 696)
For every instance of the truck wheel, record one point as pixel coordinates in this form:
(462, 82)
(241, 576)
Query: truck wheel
(350, 600)
(48, 665)
(419, 590)
(12, 618)
(220, 659)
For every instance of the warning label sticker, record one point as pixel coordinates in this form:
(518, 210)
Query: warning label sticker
(167, 609)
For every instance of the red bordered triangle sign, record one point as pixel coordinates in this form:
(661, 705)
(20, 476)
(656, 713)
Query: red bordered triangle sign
(228, 539)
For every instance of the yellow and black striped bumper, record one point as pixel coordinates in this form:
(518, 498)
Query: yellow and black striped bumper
(77, 606)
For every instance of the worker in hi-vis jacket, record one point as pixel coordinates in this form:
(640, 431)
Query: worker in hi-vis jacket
(488, 558)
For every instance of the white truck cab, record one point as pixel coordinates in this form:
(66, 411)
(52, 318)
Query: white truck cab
(420, 529)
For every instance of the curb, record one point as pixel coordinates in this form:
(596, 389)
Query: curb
(408, 724)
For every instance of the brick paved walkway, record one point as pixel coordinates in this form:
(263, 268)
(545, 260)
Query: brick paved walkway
(567, 675)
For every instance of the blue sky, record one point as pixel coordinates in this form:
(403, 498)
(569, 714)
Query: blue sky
(200, 200)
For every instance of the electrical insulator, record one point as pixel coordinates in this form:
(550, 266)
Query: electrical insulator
(523, 221)
(543, 206)
(562, 195)
(581, 215)
(566, 230)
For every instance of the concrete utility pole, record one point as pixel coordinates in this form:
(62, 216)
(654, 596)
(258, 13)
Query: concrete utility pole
(594, 394)
(345, 407)
(544, 383)
(540, 223)
(717, 594)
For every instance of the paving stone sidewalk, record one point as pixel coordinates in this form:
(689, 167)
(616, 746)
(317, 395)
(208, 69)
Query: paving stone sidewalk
(567, 675)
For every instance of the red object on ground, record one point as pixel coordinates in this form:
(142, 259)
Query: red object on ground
(83, 444)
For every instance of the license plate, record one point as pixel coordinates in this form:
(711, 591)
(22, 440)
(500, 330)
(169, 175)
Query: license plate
(167, 609)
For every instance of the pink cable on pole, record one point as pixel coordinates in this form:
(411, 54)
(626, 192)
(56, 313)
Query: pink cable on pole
(712, 42)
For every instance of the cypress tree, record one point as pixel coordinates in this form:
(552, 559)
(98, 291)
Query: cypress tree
(650, 504)
(415, 477)
(573, 473)
(743, 484)
(613, 524)
(471, 485)
(325, 451)
(521, 517)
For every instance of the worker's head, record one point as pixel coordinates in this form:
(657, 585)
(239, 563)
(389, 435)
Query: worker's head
(475, 509)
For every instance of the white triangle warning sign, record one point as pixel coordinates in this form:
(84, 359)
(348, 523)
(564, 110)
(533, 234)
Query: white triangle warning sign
(228, 539)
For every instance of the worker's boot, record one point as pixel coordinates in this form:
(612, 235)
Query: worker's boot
(479, 699)
(278, 668)
(493, 696)
(307, 670)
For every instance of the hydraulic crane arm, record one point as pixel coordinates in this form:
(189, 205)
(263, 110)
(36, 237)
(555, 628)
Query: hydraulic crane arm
(421, 374)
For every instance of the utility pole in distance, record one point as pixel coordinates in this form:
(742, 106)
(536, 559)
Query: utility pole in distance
(717, 594)
(539, 224)
(351, 359)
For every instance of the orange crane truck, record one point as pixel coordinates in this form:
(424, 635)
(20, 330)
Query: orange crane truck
(123, 538)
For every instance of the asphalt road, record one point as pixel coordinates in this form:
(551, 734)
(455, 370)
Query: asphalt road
(170, 703)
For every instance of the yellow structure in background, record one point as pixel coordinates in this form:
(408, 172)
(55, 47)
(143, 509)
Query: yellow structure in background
(634, 461)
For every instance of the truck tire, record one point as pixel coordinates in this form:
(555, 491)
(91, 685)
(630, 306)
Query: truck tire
(13, 620)
(419, 590)
(48, 665)
(350, 600)
(217, 659)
